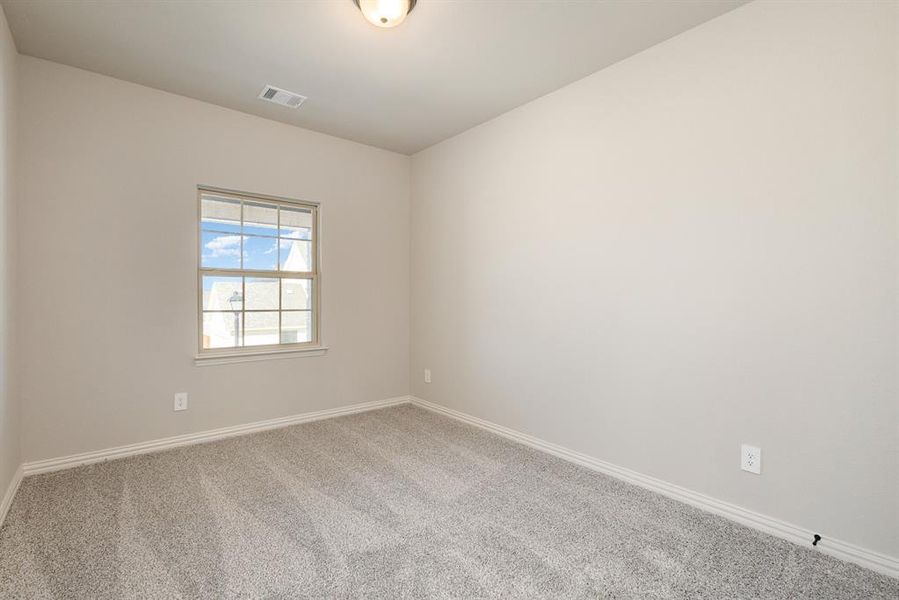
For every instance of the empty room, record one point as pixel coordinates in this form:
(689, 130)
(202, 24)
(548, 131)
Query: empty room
(432, 299)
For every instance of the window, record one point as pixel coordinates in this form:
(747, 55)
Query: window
(258, 273)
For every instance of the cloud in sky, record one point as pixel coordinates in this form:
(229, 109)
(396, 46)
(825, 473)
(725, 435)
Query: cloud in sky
(223, 245)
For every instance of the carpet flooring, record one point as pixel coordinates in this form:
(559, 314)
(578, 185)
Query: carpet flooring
(395, 503)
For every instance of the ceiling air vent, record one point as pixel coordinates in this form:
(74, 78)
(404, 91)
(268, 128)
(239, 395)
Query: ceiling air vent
(282, 97)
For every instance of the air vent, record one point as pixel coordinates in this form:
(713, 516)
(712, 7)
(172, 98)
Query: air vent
(289, 99)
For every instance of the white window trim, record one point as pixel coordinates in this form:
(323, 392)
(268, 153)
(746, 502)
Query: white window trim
(253, 355)
(314, 347)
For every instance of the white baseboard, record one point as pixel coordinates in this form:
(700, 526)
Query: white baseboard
(843, 550)
(10, 494)
(85, 458)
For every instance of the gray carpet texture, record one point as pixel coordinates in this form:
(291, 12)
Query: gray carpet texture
(394, 503)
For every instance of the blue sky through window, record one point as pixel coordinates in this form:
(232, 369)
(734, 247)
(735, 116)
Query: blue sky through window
(258, 240)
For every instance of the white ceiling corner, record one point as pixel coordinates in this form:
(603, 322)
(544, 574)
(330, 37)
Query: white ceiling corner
(450, 66)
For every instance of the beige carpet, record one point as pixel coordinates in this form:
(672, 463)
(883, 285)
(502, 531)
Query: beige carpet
(397, 503)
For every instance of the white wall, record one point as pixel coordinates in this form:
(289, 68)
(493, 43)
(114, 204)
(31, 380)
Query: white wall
(9, 406)
(694, 248)
(107, 257)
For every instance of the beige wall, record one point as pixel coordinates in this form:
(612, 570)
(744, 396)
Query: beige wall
(693, 248)
(9, 406)
(107, 253)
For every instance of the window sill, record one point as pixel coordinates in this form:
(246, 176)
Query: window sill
(224, 358)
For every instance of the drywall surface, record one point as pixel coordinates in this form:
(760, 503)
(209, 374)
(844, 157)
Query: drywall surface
(9, 407)
(692, 249)
(108, 262)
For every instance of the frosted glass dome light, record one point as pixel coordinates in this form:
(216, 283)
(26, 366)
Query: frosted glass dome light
(385, 13)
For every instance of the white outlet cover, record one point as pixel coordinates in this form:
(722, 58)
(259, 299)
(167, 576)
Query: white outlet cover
(427, 375)
(751, 459)
(180, 401)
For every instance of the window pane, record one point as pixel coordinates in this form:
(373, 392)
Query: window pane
(221, 330)
(296, 293)
(296, 256)
(220, 251)
(296, 223)
(243, 234)
(222, 293)
(296, 327)
(261, 294)
(260, 253)
(261, 328)
(221, 214)
(260, 219)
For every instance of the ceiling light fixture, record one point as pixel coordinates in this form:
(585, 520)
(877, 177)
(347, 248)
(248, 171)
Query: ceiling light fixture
(385, 13)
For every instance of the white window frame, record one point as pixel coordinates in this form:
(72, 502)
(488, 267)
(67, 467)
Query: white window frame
(282, 350)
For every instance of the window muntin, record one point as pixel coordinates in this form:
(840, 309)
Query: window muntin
(258, 272)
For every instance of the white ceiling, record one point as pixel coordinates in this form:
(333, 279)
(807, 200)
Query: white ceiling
(451, 65)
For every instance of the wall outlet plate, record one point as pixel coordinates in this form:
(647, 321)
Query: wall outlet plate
(180, 401)
(427, 375)
(751, 459)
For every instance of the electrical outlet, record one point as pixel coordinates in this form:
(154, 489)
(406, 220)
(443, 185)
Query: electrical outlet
(181, 401)
(751, 459)
(427, 375)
